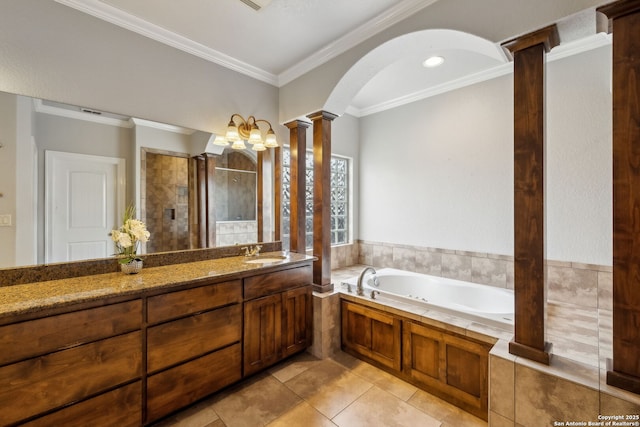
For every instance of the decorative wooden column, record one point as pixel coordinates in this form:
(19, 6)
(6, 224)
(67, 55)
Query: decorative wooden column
(322, 200)
(260, 195)
(277, 194)
(298, 151)
(528, 167)
(205, 165)
(624, 17)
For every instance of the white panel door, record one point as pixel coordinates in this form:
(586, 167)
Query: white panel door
(84, 198)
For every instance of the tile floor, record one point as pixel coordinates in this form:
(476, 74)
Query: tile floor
(305, 391)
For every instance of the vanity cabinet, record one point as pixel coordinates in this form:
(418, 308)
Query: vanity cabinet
(451, 366)
(90, 357)
(193, 345)
(278, 316)
(447, 365)
(131, 360)
(373, 334)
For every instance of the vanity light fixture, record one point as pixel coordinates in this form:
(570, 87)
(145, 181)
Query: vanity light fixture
(433, 61)
(247, 130)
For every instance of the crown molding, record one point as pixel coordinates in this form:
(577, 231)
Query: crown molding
(125, 20)
(471, 79)
(111, 14)
(383, 21)
(562, 51)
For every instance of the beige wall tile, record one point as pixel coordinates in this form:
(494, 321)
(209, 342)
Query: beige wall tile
(382, 255)
(501, 386)
(404, 258)
(577, 286)
(489, 271)
(542, 399)
(496, 420)
(428, 262)
(456, 267)
(605, 290)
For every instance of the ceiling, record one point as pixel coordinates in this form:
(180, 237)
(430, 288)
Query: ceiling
(286, 38)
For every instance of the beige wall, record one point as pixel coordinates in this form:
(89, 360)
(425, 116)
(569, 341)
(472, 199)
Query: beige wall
(8, 111)
(51, 51)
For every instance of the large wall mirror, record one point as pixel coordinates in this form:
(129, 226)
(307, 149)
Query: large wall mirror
(153, 168)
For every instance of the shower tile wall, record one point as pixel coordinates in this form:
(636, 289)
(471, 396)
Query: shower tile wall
(236, 232)
(167, 202)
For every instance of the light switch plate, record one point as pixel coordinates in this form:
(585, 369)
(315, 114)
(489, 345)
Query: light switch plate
(5, 220)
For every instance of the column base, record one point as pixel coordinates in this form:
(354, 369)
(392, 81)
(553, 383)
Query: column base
(531, 353)
(624, 381)
(322, 288)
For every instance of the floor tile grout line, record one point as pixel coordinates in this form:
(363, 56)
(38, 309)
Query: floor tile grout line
(354, 401)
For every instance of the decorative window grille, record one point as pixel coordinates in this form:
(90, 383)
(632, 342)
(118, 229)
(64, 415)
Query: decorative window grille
(339, 199)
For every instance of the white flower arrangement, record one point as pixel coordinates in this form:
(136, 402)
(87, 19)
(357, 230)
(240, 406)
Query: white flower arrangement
(129, 235)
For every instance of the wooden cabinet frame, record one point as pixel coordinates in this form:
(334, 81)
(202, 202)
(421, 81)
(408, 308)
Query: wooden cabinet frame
(139, 358)
(278, 317)
(372, 334)
(450, 366)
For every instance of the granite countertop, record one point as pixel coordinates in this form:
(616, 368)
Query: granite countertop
(31, 297)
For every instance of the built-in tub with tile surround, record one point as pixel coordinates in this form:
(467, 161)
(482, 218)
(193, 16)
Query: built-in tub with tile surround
(486, 304)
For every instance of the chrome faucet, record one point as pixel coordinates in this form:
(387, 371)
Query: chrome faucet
(359, 287)
(251, 250)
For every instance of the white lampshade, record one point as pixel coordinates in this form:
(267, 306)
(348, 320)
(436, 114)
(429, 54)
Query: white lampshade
(238, 144)
(220, 141)
(232, 132)
(270, 141)
(255, 137)
(259, 146)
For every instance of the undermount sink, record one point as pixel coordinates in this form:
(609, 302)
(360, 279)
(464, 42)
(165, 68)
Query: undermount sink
(266, 260)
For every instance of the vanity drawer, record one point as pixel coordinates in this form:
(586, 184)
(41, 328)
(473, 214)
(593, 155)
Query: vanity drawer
(183, 303)
(180, 386)
(279, 281)
(121, 407)
(183, 339)
(47, 382)
(32, 338)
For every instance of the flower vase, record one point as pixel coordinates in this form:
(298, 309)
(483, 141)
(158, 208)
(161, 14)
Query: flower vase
(132, 267)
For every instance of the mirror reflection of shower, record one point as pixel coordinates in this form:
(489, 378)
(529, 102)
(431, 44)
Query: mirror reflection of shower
(168, 201)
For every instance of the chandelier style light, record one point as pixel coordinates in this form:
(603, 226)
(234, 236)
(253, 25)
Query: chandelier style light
(247, 130)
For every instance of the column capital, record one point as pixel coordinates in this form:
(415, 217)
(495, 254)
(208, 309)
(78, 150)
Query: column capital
(297, 124)
(619, 8)
(547, 36)
(322, 115)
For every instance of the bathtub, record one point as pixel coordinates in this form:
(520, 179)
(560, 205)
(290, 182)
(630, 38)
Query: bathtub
(485, 304)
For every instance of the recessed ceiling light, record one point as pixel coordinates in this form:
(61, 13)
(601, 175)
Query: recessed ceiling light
(433, 61)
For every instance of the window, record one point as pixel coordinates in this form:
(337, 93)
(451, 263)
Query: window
(339, 199)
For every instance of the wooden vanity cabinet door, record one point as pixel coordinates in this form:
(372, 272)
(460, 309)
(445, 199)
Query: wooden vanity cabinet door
(297, 324)
(373, 334)
(262, 333)
(452, 367)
